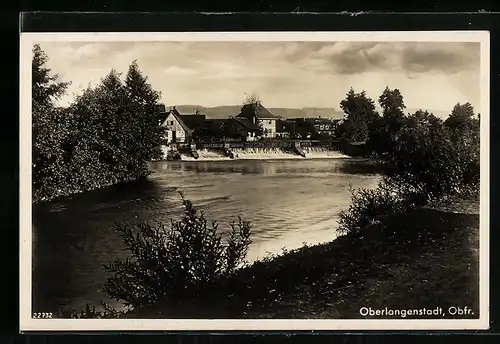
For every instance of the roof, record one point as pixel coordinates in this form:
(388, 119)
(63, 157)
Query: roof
(214, 122)
(192, 121)
(162, 116)
(247, 123)
(187, 122)
(258, 110)
(283, 126)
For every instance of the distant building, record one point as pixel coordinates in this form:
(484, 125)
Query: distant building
(325, 126)
(179, 128)
(259, 115)
(285, 128)
(243, 128)
(301, 128)
(210, 130)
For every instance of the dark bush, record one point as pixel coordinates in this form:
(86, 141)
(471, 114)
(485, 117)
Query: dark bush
(425, 154)
(369, 206)
(177, 262)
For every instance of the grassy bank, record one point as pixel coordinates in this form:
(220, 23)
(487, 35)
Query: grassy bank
(432, 263)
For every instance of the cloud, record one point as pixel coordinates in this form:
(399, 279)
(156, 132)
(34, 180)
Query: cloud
(175, 70)
(357, 58)
(283, 73)
(449, 58)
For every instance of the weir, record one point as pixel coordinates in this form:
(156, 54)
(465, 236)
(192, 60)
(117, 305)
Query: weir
(261, 154)
(193, 151)
(227, 151)
(252, 150)
(296, 149)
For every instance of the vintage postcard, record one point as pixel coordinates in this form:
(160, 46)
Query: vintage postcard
(254, 181)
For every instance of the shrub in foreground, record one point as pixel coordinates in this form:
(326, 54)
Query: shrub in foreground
(177, 262)
(369, 206)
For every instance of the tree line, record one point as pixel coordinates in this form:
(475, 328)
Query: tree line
(422, 146)
(426, 158)
(107, 135)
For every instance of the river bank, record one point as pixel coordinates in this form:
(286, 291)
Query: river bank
(432, 263)
(71, 190)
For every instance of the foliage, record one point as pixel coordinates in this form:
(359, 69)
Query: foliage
(385, 129)
(143, 103)
(426, 159)
(369, 206)
(46, 87)
(177, 262)
(106, 136)
(50, 127)
(90, 312)
(360, 115)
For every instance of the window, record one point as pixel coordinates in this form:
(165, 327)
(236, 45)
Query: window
(171, 122)
(270, 122)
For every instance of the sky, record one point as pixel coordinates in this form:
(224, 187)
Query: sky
(432, 75)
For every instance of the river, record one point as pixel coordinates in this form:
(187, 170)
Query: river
(289, 202)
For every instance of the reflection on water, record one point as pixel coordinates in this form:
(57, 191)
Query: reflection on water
(287, 202)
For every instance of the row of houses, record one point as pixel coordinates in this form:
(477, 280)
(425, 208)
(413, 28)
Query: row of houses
(254, 122)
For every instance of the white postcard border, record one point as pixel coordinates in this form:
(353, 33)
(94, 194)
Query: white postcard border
(27, 323)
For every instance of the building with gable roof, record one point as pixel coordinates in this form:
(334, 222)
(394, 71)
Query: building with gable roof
(257, 114)
(179, 127)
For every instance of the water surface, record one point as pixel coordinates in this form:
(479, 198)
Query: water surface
(289, 202)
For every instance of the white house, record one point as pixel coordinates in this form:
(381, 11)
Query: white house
(179, 128)
(175, 130)
(261, 116)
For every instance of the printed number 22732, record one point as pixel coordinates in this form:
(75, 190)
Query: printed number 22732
(42, 315)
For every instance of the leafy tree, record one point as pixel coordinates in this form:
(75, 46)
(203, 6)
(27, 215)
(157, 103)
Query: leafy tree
(464, 127)
(144, 100)
(393, 106)
(108, 135)
(462, 122)
(360, 116)
(461, 115)
(105, 122)
(49, 126)
(385, 130)
(425, 156)
(46, 87)
(392, 103)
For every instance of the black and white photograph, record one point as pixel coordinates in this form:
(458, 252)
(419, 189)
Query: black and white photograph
(254, 181)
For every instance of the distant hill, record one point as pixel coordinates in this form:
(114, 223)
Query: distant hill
(232, 110)
(226, 111)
